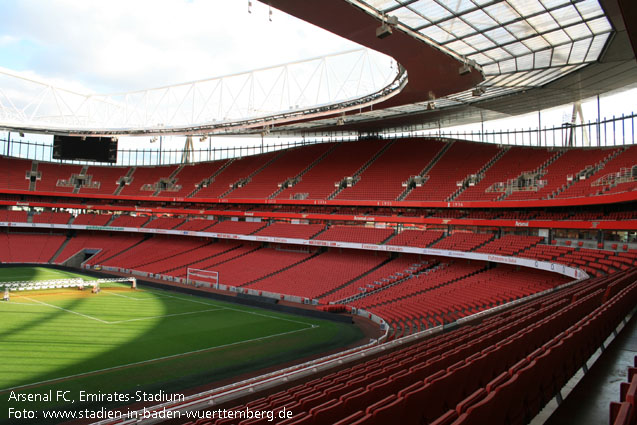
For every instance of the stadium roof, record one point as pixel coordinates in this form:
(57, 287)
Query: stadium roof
(458, 61)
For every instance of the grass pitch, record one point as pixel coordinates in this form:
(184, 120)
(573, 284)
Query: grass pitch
(125, 340)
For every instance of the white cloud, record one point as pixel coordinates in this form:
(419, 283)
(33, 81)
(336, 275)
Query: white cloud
(122, 45)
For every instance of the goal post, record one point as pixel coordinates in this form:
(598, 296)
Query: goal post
(199, 277)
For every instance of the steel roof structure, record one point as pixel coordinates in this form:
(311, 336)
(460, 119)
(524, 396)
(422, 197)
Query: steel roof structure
(454, 61)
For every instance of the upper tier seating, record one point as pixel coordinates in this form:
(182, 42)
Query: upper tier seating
(343, 161)
(383, 179)
(240, 168)
(13, 172)
(512, 164)
(191, 175)
(616, 176)
(288, 165)
(355, 234)
(379, 169)
(147, 176)
(559, 171)
(461, 160)
(52, 173)
(105, 178)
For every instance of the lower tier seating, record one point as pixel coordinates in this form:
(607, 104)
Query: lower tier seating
(501, 370)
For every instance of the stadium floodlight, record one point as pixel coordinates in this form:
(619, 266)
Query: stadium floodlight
(478, 91)
(385, 30)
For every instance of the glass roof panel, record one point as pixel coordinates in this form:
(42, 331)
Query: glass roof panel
(537, 43)
(479, 42)
(578, 31)
(543, 58)
(549, 4)
(409, 18)
(457, 27)
(502, 12)
(525, 62)
(457, 6)
(517, 49)
(381, 4)
(437, 34)
(461, 47)
(518, 43)
(480, 20)
(501, 35)
(557, 37)
(599, 25)
(520, 29)
(580, 49)
(480, 58)
(589, 8)
(566, 15)
(543, 22)
(430, 10)
(508, 66)
(491, 69)
(561, 54)
(596, 47)
(527, 7)
(498, 53)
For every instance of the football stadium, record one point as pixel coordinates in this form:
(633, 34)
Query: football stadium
(376, 212)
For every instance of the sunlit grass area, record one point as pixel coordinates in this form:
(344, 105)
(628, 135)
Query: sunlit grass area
(123, 339)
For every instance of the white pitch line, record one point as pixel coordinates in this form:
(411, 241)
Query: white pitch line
(154, 360)
(134, 298)
(165, 315)
(246, 312)
(68, 311)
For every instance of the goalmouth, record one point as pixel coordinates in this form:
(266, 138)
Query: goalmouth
(200, 277)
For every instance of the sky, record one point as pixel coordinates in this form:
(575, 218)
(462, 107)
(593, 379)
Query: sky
(122, 45)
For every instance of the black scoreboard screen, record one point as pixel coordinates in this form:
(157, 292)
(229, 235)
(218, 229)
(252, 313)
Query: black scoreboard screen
(97, 149)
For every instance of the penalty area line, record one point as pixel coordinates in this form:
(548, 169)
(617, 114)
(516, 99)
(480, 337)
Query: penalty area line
(158, 359)
(164, 315)
(68, 311)
(244, 311)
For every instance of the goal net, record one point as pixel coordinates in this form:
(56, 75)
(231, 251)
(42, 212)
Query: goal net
(200, 277)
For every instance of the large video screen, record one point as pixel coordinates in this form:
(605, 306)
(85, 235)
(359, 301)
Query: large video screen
(97, 149)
